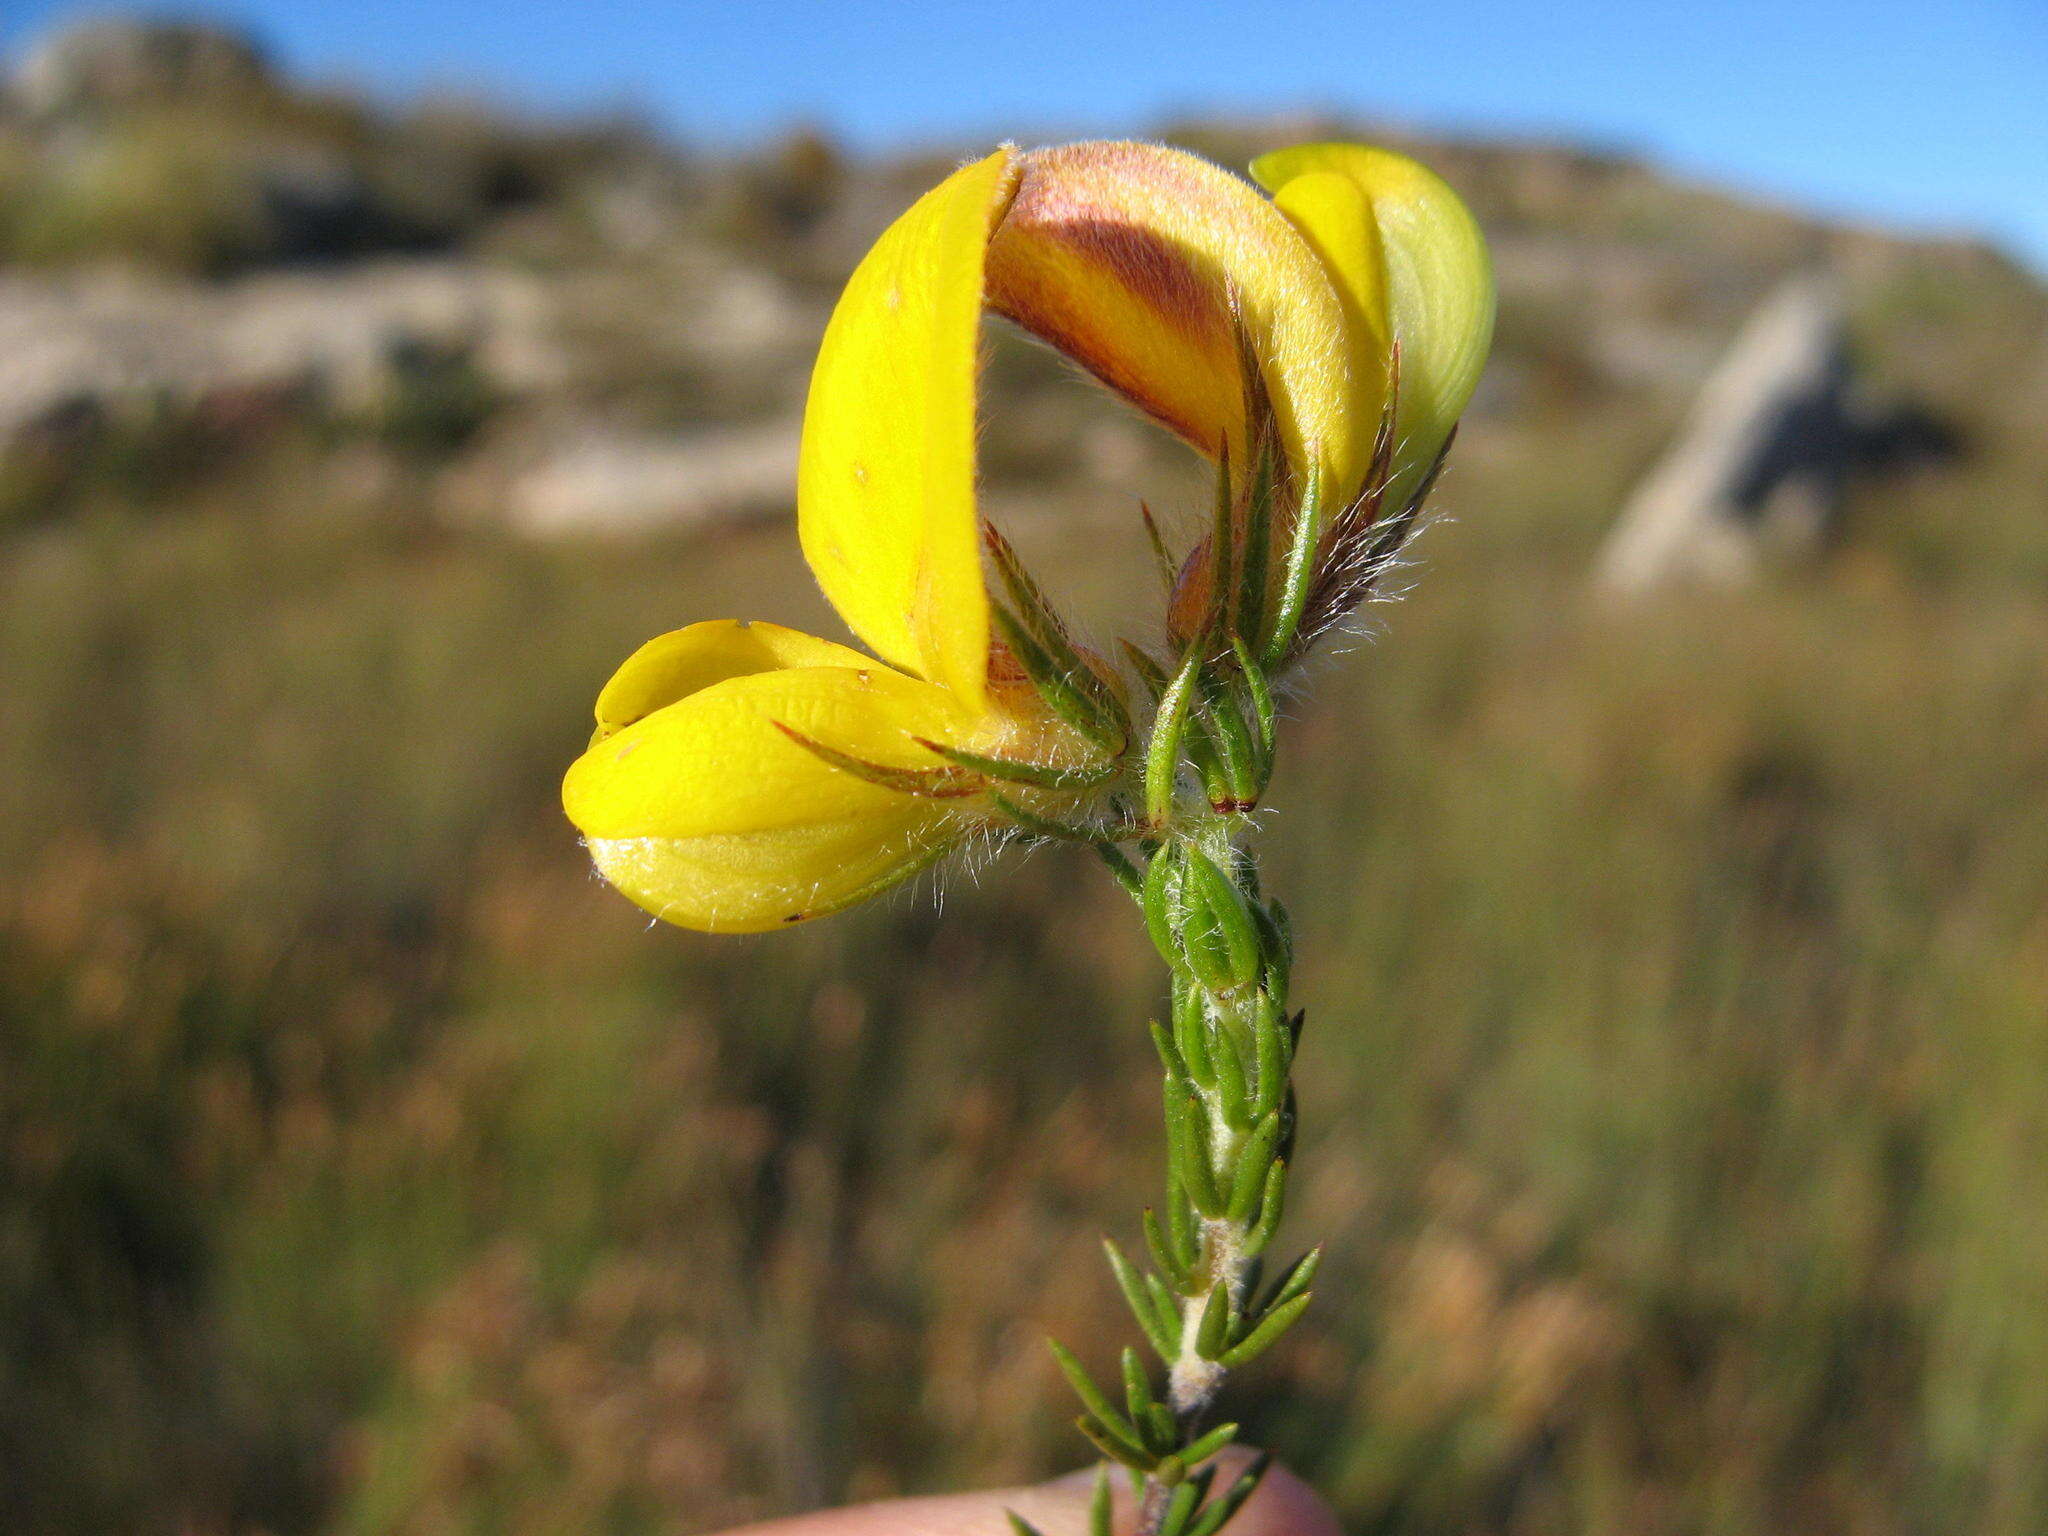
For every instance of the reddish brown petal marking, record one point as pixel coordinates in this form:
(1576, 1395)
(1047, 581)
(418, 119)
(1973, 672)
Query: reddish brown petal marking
(1075, 207)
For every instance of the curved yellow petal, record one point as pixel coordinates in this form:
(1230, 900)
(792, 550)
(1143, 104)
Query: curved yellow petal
(1126, 257)
(705, 813)
(1335, 218)
(688, 660)
(750, 882)
(1439, 283)
(715, 762)
(885, 479)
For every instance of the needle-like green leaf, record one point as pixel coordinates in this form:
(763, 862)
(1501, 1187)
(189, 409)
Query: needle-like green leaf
(1212, 1333)
(1254, 1162)
(1265, 1334)
(1161, 1327)
(1212, 1519)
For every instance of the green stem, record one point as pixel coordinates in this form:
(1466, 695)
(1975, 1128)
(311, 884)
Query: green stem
(1227, 1055)
(1227, 1164)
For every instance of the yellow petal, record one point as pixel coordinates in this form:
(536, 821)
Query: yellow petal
(1126, 256)
(1439, 283)
(689, 660)
(707, 815)
(885, 482)
(749, 882)
(715, 762)
(1335, 218)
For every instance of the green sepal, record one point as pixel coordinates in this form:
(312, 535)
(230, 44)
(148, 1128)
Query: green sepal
(1169, 568)
(1100, 1507)
(1222, 541)
(1150, 673)
(1012, 770)
(1019, 1526)
(1121, 868)
(1201, 940)
(1236, 757)
(1162, 900)
(1212, 1333)
(1388, 535)
(1262, 484)
(1265, 1333)
(1362, 541)
(1162, 754)
(1258, 536)
(1159, 900)
(1209, 768)
(1077, 703)
(1254, 1162)
(1204, 949)
(947, 783)
(1044, 828)
(1042, 626)
(1265, 715)
(1370, 501)
(1299, 572)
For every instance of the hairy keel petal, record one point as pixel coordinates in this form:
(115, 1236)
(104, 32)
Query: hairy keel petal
(1127, 258)
(749, 882)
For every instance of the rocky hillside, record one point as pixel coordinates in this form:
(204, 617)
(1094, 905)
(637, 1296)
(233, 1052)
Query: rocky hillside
(583, 327)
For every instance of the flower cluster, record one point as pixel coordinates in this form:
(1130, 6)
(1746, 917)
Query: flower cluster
(1317, 344)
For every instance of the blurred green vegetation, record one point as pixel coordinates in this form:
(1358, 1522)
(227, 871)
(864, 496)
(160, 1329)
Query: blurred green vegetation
(1677, 981)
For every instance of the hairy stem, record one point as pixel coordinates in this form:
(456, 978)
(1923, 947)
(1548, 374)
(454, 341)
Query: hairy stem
(1226, 1051)
(1232, 1045)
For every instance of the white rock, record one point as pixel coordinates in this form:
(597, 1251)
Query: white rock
(599, 483)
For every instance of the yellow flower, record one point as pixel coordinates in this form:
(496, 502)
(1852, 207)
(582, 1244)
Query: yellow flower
(747, 776)
(1411, 268)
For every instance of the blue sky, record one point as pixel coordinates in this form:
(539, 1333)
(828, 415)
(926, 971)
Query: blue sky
(1935, 115)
